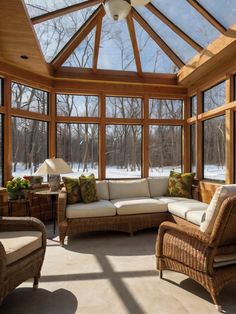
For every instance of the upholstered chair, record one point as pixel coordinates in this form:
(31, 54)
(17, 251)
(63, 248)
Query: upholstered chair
(22, 249)
(206, 254)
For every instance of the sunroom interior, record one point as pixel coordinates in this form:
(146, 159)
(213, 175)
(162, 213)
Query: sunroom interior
(120, 97)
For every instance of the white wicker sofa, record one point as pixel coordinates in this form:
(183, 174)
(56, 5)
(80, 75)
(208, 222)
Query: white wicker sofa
(128, 206)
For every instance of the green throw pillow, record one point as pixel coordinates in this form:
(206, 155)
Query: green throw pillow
(88, 188)
(72, 189)
(180, 184)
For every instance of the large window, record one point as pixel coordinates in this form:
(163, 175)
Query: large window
(165, 149)
(123, 151)
(77, 144)
(77, 105)
(29, 99)
(165, 109)
(193, 147)
(123, 107)
(193, 106)
(29, 145)
(214, 97)
(214, 148)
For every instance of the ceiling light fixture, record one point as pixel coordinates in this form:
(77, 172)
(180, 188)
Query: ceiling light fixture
(119, 9)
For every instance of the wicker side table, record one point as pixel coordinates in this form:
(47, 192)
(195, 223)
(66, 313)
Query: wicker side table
(19, 202)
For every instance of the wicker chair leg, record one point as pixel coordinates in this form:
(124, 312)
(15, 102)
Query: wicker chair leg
(216, 302)
(160, 273)
(36, 282)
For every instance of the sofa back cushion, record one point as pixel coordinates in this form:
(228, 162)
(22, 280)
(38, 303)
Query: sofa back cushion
(102, 190)
(158, 186)
(128, 188)
(220, 195)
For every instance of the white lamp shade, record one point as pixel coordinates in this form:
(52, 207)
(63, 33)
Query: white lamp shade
(54, 166)
(117, 9)
(139, 3)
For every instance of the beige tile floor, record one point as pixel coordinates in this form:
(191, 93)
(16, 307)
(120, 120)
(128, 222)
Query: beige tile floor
(109, 273)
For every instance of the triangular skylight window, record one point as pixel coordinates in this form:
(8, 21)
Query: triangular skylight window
(116, 52)
(82, 57)
(55, 33)
(153, 59)
(39, 7)
(176, 43)
(223, 11)
(188, 19)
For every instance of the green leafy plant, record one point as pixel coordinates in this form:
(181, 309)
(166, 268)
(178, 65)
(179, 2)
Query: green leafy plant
(17, 184)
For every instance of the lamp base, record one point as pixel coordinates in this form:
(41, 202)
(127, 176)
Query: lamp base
(54, 182)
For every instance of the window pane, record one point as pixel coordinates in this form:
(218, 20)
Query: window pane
(214, 148)
(1, 150)
(123, 107)
(77, 106)
(123, 151)
(77, 144)
(193, 106)
(29, 145)
(165, 109)
(193, 147)
(29, 99)
(165, 149)
(214, 97)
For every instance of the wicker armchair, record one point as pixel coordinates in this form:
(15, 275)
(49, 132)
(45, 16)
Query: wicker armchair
(209, 259)
(25, 261)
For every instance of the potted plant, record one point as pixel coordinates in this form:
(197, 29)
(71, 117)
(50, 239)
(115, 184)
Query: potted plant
(17, 188)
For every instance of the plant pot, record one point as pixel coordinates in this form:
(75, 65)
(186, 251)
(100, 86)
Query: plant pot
(21, 194)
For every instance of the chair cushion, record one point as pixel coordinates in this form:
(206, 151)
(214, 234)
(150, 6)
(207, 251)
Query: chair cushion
(220, 195)
(72, 189)
(158, 186)
(187, 209)
(102, 190)
(138, 205)
(128, 189)
(18, 244)
(180, 184)
(224, 260)
(168, 199)
(88, 188)
(96, 209)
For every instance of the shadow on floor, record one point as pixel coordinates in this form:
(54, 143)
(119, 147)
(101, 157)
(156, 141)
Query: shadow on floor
(112, 243)
(226, 298)
(39, 301)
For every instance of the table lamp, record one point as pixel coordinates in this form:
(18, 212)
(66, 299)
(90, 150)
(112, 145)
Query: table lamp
(54, 167)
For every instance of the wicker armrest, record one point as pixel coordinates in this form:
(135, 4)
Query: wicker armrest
(186, 231)
(61, 206)
(23, 224)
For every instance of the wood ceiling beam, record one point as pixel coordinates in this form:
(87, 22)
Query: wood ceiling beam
(78, 37)
(60, 12)
(174, 27)
(133, 39)
(97, 40)
(160, 42)
(210, 18)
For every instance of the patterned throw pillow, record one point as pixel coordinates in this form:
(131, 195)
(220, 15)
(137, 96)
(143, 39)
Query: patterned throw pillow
(88, 188)
(180, 184)
(72, 189)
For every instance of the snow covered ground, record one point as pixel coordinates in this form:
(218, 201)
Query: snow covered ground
(212, 172)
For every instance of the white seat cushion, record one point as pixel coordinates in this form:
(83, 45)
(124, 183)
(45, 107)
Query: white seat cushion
(102, 190)
(158, 186)
(95, 209)
(138, 205)
(196, 216)
(128, 188)
(183, 208)
(18, 244)
(170, 199)
(224, 260)
(220, 195)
